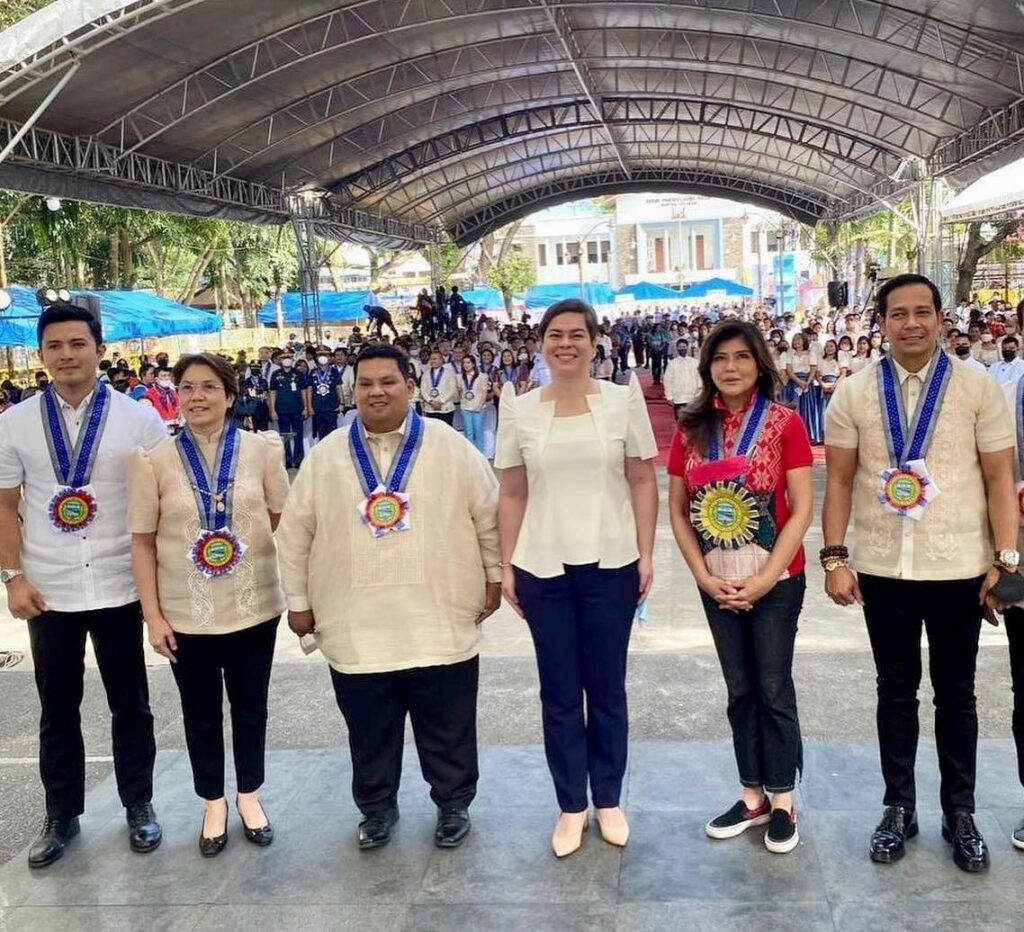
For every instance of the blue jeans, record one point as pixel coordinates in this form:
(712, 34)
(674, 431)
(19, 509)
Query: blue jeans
(473, 425)
(580, 623)
(755, 650)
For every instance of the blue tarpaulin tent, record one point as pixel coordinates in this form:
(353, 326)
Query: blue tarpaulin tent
(718, 286)
(648, 291)
(126, 315)
(335, 306)
(543, 296)
(483, 298)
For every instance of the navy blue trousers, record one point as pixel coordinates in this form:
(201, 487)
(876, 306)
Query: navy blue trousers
(294, 450)
(581, 622)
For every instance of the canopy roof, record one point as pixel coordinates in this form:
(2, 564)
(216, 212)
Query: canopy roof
(543, 296)
(125, 315)
(648, 291)
(716, 286)
(335, 307)
(416, 115)
(1000, 194)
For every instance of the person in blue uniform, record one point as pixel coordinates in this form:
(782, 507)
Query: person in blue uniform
(289, 405)
(326, 394)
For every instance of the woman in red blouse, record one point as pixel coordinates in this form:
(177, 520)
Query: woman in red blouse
(740, 500)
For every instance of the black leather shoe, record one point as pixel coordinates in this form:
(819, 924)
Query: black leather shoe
(52, 841)
(898, 825)
(262, 836)
(211, 847)
(970, 853)
(375, 829)
(452, 827)
(144, 832)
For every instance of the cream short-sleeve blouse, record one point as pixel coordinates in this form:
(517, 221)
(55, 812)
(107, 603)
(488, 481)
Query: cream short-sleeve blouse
(597, 481)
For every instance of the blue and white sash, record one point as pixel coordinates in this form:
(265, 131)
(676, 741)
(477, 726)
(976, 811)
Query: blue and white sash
(385, 507)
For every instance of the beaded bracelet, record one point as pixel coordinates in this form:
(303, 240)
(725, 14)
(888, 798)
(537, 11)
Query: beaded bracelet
(837, 550)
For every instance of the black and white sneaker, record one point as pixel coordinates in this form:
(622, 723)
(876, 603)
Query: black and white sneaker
(1018, 837)
(782, 836)
(738, 819)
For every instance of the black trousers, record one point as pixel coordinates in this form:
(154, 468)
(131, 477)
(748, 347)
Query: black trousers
(58, 651)
(658, 360)
(323, 423)
(447, 416)
(1015, 633)
(580, 623)
(441, 702)
(895, 610)
(294, 449)
(207, 663)
(624, 358)
(755, 650)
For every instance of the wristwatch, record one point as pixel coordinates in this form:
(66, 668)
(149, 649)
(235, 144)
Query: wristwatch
(1010, 559)
(7, 576)
(831, 564)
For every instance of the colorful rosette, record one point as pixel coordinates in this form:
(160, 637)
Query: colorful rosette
(907, 490)
(725, 514)
(383, 512)
(72, 510)
(216, 553)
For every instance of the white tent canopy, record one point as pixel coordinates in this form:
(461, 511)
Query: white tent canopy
(999, 193)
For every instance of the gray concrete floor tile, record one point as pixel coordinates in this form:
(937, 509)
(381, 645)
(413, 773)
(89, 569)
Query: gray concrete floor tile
(104, 919)
(911, 916)
(669, 858)
(696, 916)
(537, 917)
(303, 919)
(508, 859)
(926, 874)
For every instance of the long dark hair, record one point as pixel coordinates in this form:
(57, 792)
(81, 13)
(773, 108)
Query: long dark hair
(699, 419)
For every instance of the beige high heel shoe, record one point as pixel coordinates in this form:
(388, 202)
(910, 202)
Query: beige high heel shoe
(614, 834)
(568, 842)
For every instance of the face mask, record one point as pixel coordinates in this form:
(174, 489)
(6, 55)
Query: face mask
(165, 383)
(524, 358)
(121, 387)
(963, 351)
(885, 346)
(986, 338)
(1009, 355)
(287, 362)
(321, 360)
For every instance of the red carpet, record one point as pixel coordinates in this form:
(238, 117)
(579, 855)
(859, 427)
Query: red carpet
(663, 419)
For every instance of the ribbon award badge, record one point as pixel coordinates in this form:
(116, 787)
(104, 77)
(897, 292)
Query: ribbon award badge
(385, 508)
(725, 514)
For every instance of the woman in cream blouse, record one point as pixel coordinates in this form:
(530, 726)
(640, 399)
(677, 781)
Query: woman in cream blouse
(474, 393)
(576, 518)
(202, 509)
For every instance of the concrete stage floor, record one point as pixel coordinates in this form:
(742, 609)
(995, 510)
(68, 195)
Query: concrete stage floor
(681, 772)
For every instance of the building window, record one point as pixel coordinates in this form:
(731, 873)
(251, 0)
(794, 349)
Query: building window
(573, 251)
(606, 248)
(559, 254)
(542, 254)
(755, 240)
(592, 252)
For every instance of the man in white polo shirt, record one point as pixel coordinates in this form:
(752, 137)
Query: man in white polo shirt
(68, 572)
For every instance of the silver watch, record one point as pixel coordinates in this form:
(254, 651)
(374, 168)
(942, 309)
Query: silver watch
(7, 576)
(1008, 558)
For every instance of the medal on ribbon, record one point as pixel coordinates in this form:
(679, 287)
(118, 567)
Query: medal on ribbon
(906, 489)
(725, 513)
(323, 381)
(385, 508)
(467, 384)
(73, 505)
(435, 381)
(216, 551)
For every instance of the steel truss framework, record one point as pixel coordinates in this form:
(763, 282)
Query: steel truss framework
(548, 94)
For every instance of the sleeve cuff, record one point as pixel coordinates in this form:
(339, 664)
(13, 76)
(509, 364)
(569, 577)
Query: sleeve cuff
(298, 603)
(493, 574)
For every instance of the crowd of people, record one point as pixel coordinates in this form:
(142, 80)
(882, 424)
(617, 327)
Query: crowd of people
(160, 498)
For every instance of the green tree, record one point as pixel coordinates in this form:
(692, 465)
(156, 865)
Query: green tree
(511, 274)
(13, 10)
(976, 246)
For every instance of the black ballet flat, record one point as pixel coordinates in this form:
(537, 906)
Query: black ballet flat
(258, 836)
(211, 847)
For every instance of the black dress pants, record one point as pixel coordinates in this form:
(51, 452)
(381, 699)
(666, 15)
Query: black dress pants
(441, 702)
(447, 416)
(1015, 633)
(895, 610)
(323, 423)
(581, 623)
(58, 651)
(240, 662)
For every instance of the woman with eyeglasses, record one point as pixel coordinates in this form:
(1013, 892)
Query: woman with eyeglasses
(202, 509)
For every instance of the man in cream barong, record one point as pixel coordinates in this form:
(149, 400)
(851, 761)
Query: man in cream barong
(389, 554)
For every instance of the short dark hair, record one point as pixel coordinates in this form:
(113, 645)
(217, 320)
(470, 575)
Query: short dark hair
(384, 351)
(1011, 339)
(61, 313)
(882, 297)
(221, 367)
(569, 306)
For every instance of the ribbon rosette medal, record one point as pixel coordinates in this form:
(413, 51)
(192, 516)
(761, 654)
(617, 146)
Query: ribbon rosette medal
(73, 505)
(216, 551)
(905, 489)
(725, 514)
(385, 509)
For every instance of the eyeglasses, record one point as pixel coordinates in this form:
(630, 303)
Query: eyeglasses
(187, 389)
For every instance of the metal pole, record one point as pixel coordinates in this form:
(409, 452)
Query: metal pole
(40, 110)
